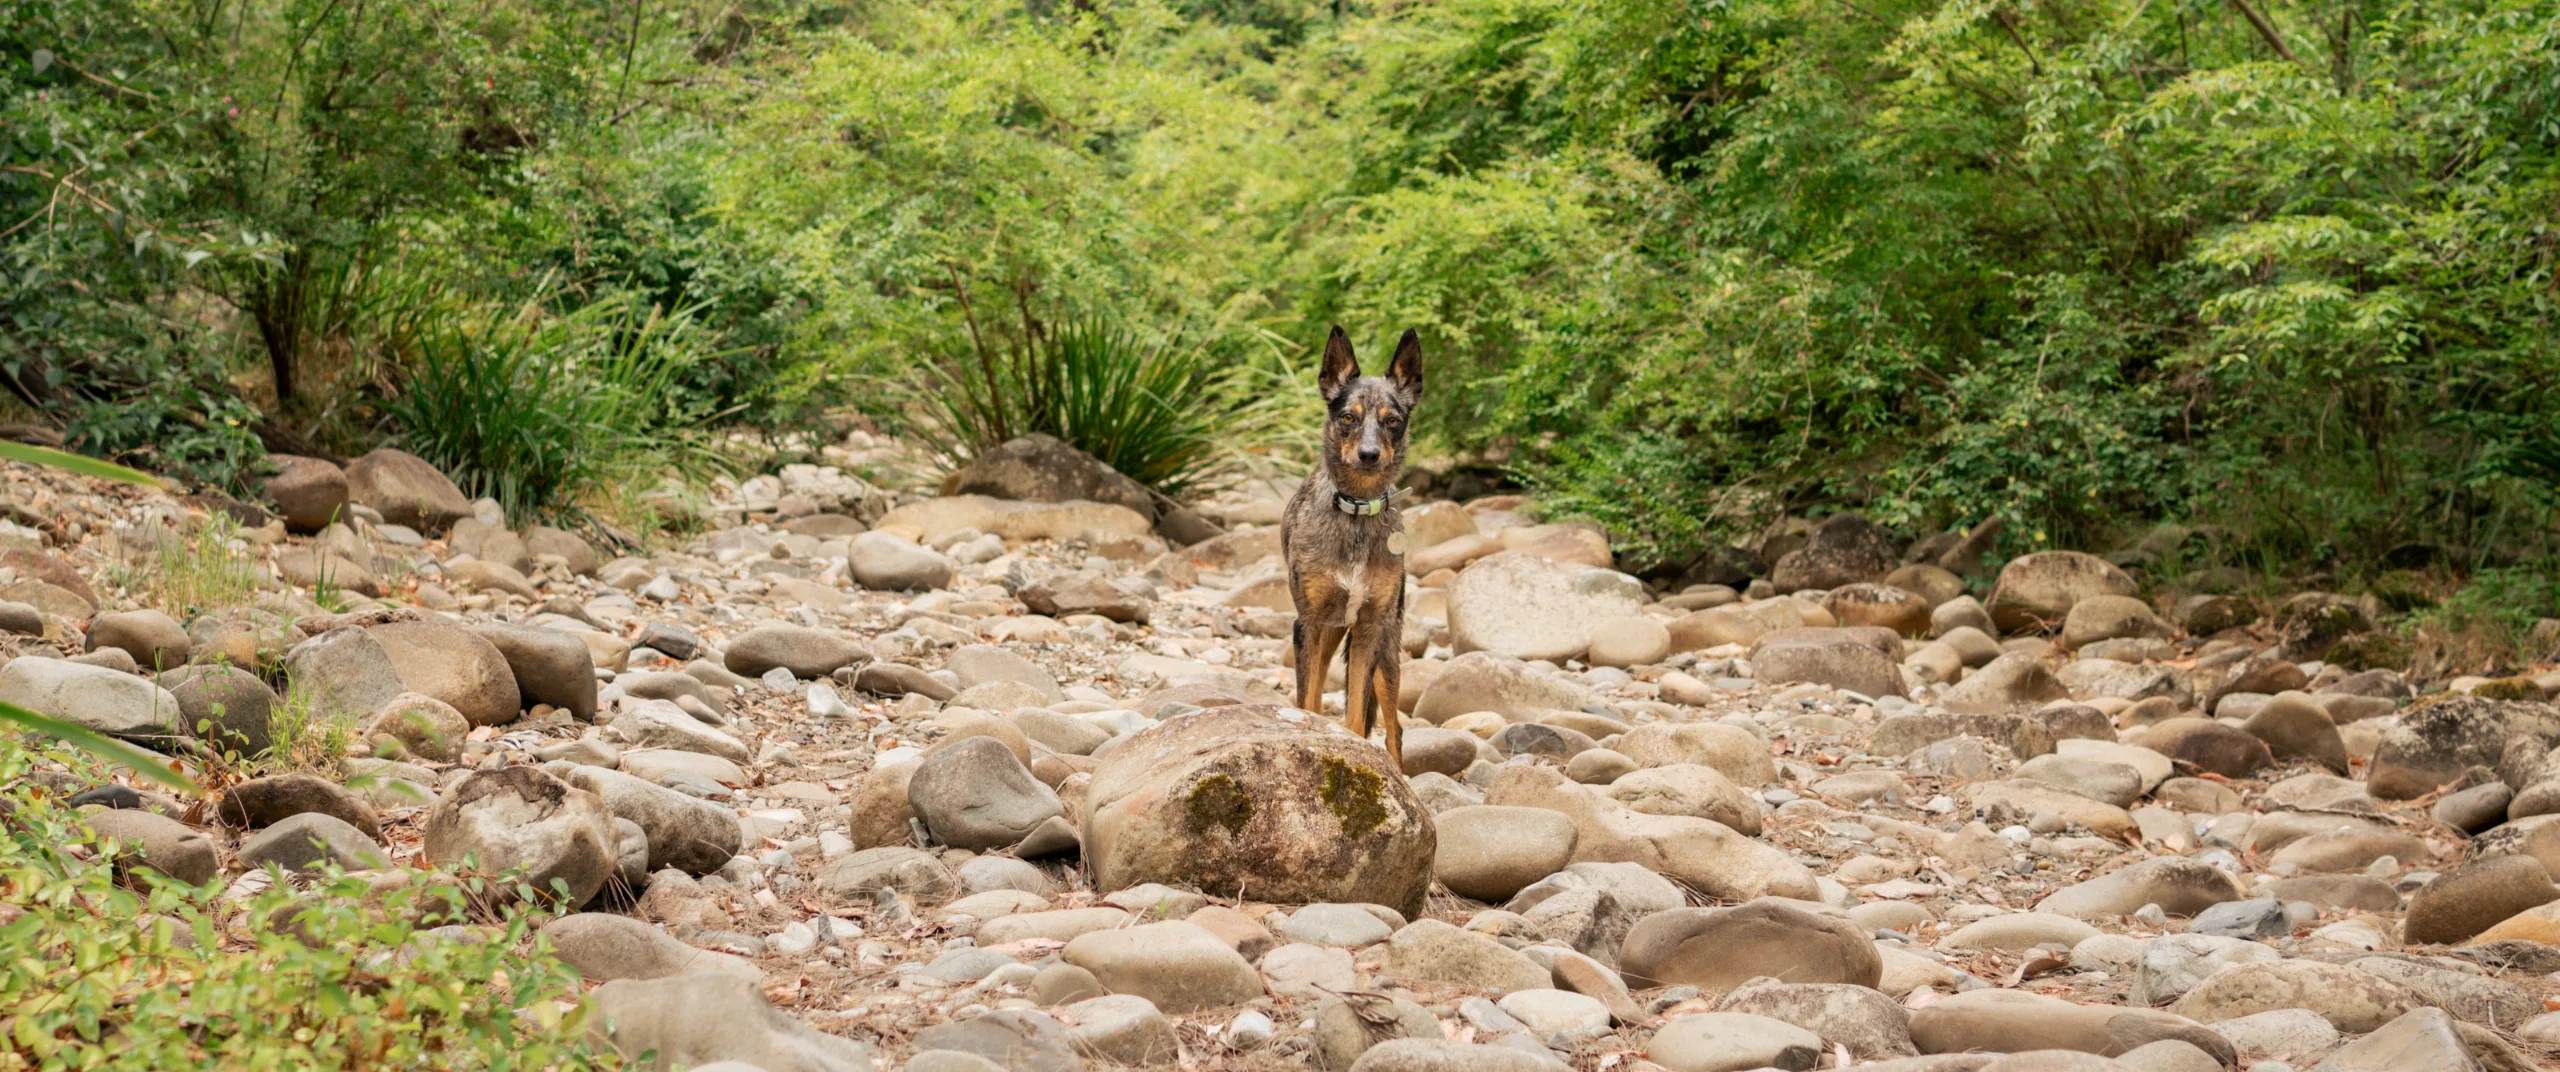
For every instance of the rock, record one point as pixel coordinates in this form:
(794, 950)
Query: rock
(1429, 951)
(2352, 1000)
(2037, 591)
(2108, 617)
(1834, 657)
(266, 801)
(883, 562)
(1023, 1039)
(1901, 735)
(2293, 726)
(1730, 750)
(2468, 996)
(94, 697)
(1732, 1041)
(2045, 809)
(2421, 1039)
(1255, 797)
(1123, 599)
(1483, 681)
(344, 673)
(694, 1020)
(1489, 853)
(550, 666)
(2264, 917)
(2209, 746)
(1125, 1028)
(1842, 549)
(427, 727)
(225, 705)
(2173, 964)
(661, 724)
(406, 490)
(155, 640)
(2338, 891)
(1632, 641)
(976, 795)
(2009, 682)
(2099, 780)
(1177, 965)
(2435, 742)
(2476, 897)
(309, 493)
(521, 819)
(2180, 886)
(1336, 925)
(2297, 1035)
(1705, 855)
(691, 835)
(1721, 948)
(807, 653)
(1868, 1023)
(454, 665)
(1343, 1032)
(158, 842)
(1522, 606)
(604, 947)
(2018, 931)
(981, 664)
(1441, 1055)
(1042, 468)
(1884, 605)
(2013, 1021)
(1562, 1014)
(909, 871)
(572, 549)
(1301, 972)
(1691, 789)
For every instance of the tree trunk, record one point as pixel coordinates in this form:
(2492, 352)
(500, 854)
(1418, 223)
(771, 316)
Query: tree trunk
(277, 303)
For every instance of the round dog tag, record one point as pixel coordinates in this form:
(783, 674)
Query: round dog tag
(1395, 542)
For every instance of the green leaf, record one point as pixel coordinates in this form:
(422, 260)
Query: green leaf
(100, 745)
(34, 455)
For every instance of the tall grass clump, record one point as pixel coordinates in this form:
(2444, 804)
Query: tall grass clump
(544, 410)
(1164, 412)
(2487, 625)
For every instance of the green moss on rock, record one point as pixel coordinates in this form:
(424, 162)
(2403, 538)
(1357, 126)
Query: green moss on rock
(1218, 801)
(1352, 793)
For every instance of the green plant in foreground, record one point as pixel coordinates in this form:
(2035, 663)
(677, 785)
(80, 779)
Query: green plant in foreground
(322, 971)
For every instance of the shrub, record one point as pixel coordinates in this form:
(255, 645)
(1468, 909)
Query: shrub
(1164, 413)
(538, 411)
(154, 975)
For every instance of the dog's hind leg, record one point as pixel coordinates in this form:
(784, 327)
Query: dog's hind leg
(1313, 661)
(1389, 678)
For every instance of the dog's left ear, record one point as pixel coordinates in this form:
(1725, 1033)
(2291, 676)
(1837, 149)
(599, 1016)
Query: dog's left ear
(1406, 370)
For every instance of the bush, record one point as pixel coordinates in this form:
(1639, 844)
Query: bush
(1162, 413)
(537, 410)
(150, 975)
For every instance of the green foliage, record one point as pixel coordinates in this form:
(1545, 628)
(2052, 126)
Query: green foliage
(536, 410)
(150, 974)
(1160, 412)
(2486, 625)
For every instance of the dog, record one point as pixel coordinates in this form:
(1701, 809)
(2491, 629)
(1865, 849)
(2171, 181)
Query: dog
(1345, 544)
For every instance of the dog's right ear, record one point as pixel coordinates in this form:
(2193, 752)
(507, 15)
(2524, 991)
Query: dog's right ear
(1340, 367)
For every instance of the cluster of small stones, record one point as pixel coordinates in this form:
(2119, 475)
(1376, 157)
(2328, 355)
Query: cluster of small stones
(834, 786)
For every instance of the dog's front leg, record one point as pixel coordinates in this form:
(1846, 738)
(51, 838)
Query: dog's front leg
(1390, 680)
(1359, 671)
(1314, 659)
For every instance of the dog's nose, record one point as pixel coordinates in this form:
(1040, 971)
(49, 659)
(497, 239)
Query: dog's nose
(1368, 454)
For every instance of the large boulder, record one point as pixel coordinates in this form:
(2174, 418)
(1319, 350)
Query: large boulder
(345, 675)
(455, 665)
(1042, 468)
(806, 652)
(1843, 549)
(559, 837)
(2037, 591)
(1254, 797)
(156, 641)
(885, 562)
(107, 701)
(406, 490)
(2435, 742)
(158, 842)
(1839, 658)
(550, 666)
(309, 493)
(1525, 606)
(1484, 681)
(1706, 855)
(2011, 681)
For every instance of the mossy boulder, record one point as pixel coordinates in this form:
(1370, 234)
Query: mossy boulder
(1256, 800)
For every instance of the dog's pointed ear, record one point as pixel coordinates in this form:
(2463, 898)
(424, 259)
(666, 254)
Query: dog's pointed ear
(1340, 367)
(1406, 370)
